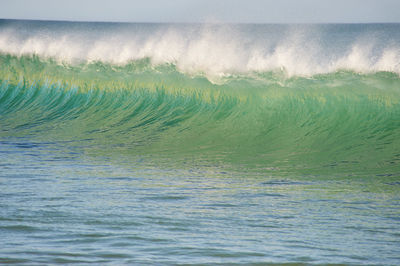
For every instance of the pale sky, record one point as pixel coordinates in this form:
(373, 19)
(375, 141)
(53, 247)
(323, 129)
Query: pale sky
(235, 11)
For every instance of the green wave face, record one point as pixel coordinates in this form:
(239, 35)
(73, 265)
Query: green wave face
(337, 122)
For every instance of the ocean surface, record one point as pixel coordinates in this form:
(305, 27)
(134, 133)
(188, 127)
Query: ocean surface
(177, 144)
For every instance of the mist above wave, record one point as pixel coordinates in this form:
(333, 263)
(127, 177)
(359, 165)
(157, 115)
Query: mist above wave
(214, 50)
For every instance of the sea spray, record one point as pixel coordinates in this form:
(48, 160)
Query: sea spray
(214, 50)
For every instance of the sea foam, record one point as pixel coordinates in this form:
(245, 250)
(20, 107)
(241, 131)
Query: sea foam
(215, 50)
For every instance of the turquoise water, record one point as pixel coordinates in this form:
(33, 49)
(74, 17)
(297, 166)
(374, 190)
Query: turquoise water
(199, 144)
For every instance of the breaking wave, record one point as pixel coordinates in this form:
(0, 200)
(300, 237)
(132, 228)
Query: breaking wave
(254, 97)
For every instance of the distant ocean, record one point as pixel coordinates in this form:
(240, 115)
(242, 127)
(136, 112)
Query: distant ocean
(199, 143)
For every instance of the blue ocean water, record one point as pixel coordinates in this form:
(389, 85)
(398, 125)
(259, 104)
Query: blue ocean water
(199, 144)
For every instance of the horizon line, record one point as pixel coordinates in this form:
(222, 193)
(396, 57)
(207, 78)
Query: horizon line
(187, 22)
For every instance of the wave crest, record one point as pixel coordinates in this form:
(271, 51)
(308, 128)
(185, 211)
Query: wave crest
(214, 50)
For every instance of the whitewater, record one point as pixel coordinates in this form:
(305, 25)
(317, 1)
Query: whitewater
(124, 143)
(214, 49)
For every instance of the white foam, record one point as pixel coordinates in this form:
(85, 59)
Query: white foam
(215, 51)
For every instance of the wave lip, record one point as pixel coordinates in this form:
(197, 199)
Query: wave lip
(213, 50)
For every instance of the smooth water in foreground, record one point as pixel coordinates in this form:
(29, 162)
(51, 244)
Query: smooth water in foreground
(199, 144)
(68, 208)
